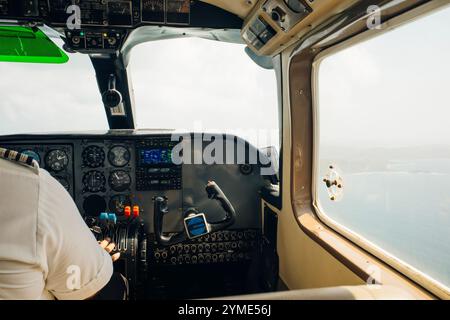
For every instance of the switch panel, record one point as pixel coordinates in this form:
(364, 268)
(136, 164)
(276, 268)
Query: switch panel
(259, 33)
(286, 14)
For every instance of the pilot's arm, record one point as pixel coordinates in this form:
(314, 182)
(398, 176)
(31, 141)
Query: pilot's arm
(46, 249)
(75, 266)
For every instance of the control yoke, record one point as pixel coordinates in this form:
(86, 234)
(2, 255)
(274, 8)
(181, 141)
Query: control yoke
(195, 223)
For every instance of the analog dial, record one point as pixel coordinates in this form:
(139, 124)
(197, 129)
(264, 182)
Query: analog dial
(119, 180)
(93, 156)
(119, 156)
(94, 181)
(56, 160)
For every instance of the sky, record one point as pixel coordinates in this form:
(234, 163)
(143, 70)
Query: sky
(203, 85)
(187, 83)
(390, 91)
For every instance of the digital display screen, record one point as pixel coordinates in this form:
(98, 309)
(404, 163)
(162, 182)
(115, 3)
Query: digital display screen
(155, 156)
(196, 226)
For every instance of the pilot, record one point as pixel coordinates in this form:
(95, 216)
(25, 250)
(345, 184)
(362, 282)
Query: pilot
(46, 249)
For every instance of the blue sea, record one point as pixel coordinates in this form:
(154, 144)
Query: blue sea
(401, 206)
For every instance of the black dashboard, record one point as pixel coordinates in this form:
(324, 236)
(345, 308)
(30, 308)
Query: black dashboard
(121, 173)
(103, 25)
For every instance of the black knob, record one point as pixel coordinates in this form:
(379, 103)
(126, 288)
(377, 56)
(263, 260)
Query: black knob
(76, 40)
(278, 14)
(275, 16)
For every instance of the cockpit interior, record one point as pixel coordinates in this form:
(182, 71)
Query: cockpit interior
(199, 215)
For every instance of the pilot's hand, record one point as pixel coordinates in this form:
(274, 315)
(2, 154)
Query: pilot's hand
(109, 247)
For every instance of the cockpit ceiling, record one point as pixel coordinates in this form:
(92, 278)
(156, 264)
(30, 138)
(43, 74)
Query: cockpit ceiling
(103, 27)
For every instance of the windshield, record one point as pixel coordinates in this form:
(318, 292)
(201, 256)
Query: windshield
(42, 98)
(199, 85)
(187, 84)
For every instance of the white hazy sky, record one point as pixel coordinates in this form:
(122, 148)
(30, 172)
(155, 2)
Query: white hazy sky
(194, 84)
(178, 84)
(392, 90)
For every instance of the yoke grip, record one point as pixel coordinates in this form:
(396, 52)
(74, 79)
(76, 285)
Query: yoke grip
(214, 192)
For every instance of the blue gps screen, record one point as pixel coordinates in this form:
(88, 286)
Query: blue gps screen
(155, 156)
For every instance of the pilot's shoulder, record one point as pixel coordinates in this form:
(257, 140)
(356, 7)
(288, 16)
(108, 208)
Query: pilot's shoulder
(15, 161)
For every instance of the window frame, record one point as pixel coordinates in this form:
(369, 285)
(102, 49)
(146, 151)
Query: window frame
(276, 200)
(403, 267)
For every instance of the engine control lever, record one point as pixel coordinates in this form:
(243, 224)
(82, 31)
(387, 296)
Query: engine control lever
(195, 223)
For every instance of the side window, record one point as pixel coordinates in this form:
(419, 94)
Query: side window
(383, 156)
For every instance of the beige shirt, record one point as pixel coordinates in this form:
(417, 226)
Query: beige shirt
(46, 249)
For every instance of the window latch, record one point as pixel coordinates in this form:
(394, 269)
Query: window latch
(334, 183)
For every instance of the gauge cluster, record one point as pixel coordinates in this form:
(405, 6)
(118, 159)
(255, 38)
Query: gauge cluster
(57, 159)
(106, 179)
(113, 174)
(122, 174)
(107, 176)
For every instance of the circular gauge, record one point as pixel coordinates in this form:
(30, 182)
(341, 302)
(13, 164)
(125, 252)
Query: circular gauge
(93, 156)
(94, 181)
(32, 154)
(118, 203)
(94, 205)
(119, 180)
(64, 183)
(295, 5)
(119, 156)
(56, 160)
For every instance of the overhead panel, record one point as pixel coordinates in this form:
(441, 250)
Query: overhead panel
(286, 21)
(101, 26)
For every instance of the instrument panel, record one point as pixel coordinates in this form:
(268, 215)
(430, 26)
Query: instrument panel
(121, 13)
(110, 173)
(118, 13)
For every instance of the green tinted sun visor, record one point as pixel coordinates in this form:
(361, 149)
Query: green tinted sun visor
(25, 44)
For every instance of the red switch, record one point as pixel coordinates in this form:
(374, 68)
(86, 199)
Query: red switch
(127, 211)
(136, 211)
